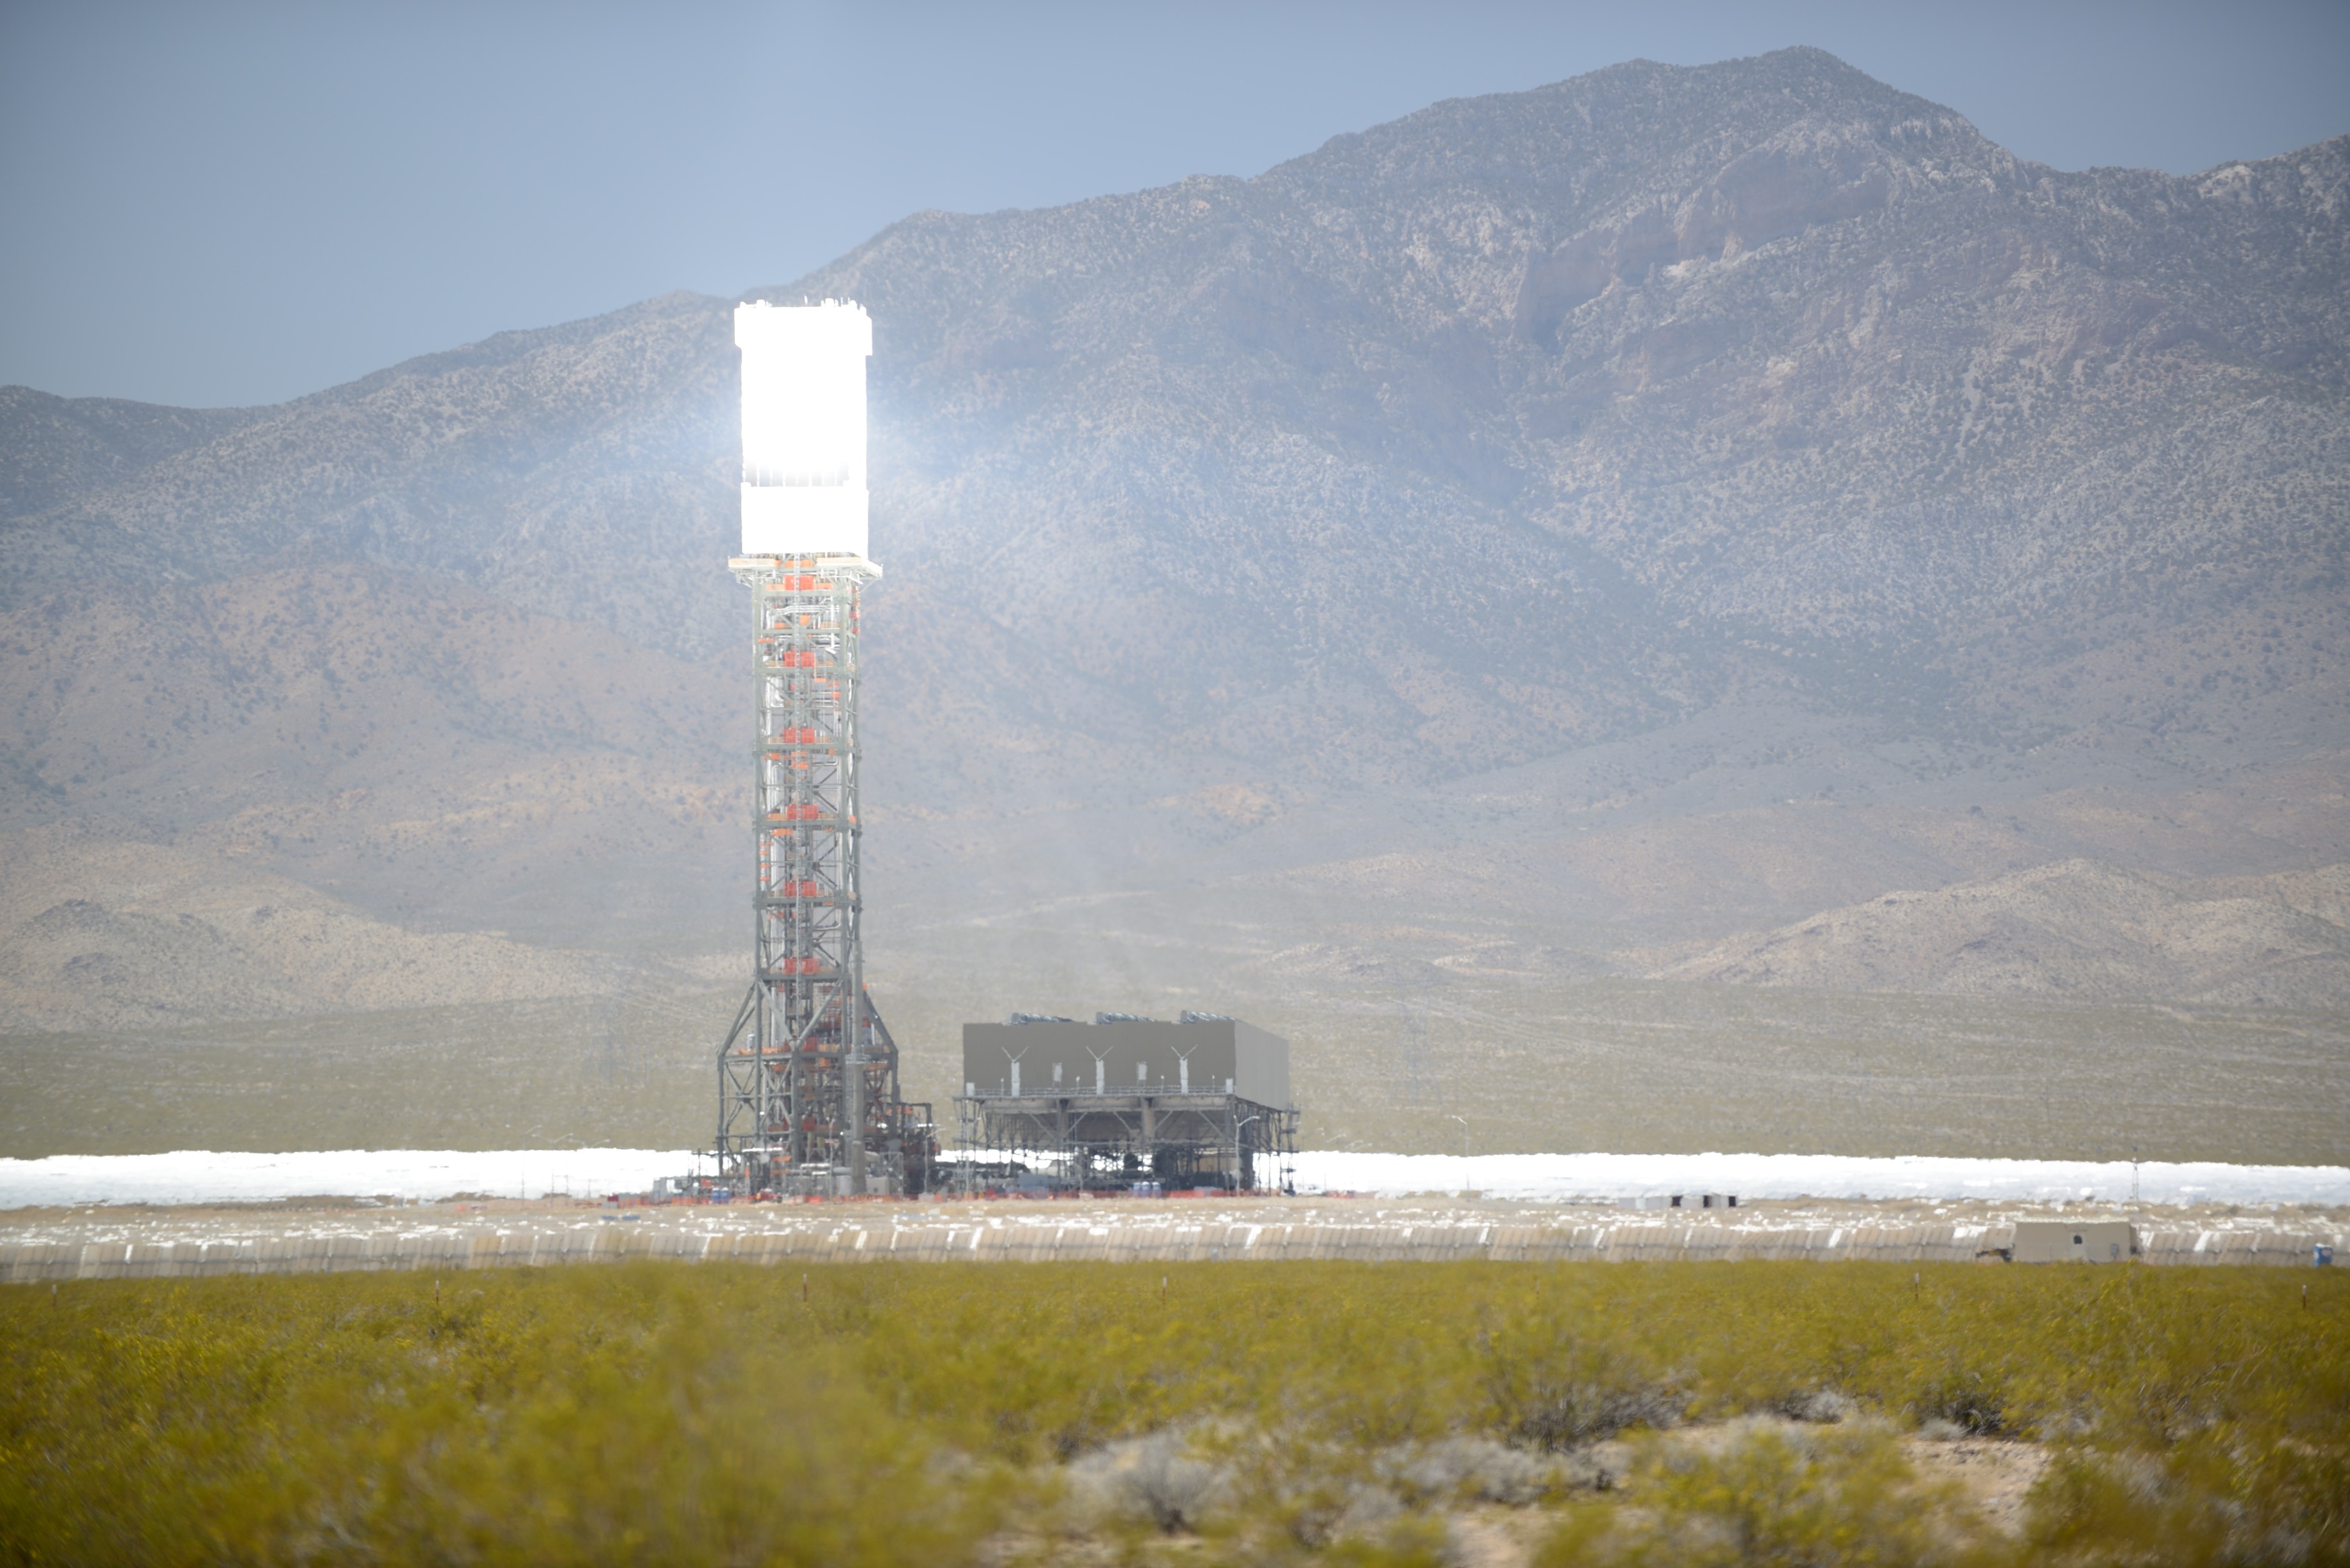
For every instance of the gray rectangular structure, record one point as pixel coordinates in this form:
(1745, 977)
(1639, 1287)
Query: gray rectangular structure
(1217, 1056)
(2072, 1241)
(1200, 1102)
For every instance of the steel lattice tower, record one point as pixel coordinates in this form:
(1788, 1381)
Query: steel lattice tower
(807, 1075)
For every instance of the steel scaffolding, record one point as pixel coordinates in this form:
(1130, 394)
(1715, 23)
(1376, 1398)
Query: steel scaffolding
(1199, 1101)
(1094, 1137)
(807, 1074)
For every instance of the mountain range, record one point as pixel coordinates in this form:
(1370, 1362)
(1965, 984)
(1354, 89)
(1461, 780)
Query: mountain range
(1591, 530)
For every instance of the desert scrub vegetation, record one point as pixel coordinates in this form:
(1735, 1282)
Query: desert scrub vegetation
(1771, 1494)
(1274, 1412)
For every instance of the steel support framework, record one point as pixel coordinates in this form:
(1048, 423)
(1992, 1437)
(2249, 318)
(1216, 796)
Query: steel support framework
(1102, 1137)
(807, 1074)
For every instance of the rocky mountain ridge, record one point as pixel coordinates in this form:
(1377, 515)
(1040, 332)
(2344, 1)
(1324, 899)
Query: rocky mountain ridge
(1549, 498)
(149, 937)
(2079, 930)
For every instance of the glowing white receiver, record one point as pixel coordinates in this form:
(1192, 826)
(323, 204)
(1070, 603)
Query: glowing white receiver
(804, 491)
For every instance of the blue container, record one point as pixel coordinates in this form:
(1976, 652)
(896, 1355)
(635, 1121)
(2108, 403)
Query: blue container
(2322, 1255)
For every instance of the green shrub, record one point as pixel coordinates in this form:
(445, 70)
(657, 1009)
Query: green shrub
(1845, 1498)
(1555, 1385)
(566, 1417)
(710, 1413)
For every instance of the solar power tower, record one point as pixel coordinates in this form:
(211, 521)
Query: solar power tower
(808, 1076)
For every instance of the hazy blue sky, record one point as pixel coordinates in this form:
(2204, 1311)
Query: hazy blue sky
(225, 203)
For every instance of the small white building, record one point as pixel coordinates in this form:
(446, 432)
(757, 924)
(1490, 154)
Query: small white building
(2072, 1241)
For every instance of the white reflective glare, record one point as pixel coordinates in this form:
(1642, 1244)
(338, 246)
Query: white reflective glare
(804, 485)
(198, 1177)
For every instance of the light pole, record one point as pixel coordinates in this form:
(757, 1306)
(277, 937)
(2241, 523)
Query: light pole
(1236, 1148)
(1464, 1147)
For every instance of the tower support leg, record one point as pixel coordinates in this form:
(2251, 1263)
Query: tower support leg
(809, 1073)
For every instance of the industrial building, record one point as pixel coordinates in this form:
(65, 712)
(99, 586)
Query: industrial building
(1646, 1200)
(808, 1097)
(809, 1093)
(1200, 1102)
